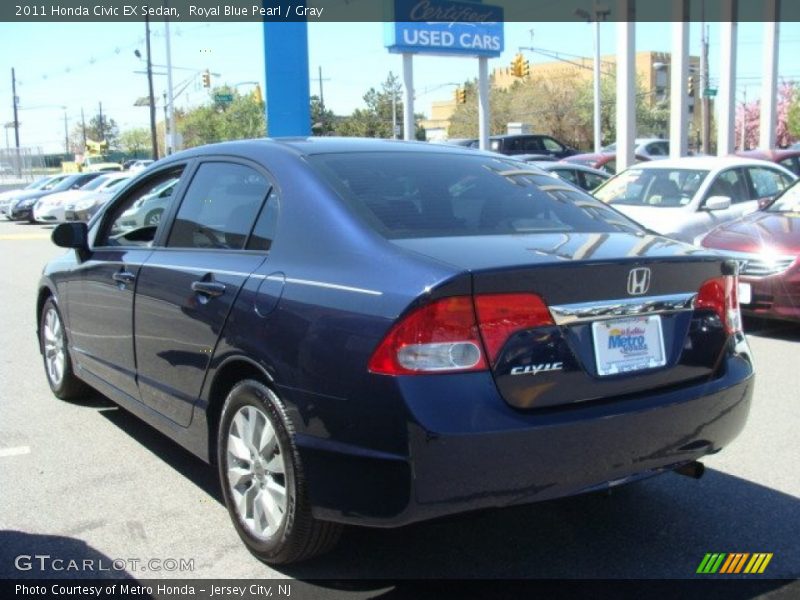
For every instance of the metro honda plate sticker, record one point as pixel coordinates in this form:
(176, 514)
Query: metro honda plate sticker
(631, 344)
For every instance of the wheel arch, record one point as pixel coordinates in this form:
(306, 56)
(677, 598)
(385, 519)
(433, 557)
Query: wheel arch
(45, 292)
(232, 370)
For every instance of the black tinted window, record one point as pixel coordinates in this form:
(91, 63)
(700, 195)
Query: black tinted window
(429, 194)
(219, 208)
(264, 231)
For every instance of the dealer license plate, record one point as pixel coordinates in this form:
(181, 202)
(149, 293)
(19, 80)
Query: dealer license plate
(745, 293)
(631, 344)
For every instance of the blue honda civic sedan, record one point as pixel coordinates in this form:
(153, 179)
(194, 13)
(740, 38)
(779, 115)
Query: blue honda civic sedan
(376, 333)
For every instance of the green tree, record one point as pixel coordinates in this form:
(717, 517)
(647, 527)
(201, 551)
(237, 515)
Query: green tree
(375, 120)
(322, 119)
(464, 122)
(135, 141)
(242, 118)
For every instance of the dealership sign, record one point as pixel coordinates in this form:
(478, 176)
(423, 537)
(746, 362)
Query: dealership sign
(445, 27)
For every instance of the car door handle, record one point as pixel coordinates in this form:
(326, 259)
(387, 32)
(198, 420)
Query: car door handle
(211, 289)
(124, 277)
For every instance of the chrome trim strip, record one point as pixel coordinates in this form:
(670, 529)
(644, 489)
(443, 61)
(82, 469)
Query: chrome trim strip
(330, 286)
(567, 314)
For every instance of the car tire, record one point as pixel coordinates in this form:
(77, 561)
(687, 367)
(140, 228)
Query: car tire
(262, 479)
(55, 352)
(153, 217)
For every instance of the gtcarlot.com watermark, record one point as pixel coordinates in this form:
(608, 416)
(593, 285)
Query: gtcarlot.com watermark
(48, 563)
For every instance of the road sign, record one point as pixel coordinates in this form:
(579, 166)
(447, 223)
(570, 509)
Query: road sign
(710, 92)
(223, 98)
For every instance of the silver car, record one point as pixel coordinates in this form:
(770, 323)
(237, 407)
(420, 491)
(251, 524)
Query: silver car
(685, 198)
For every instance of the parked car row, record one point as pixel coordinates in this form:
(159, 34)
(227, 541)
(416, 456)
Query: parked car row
(62, 197)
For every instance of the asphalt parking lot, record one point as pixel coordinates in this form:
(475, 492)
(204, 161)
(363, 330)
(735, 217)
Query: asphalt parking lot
(88, 480)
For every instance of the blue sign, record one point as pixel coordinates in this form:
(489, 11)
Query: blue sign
(446, 27)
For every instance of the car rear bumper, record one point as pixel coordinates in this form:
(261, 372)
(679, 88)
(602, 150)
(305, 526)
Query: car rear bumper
(469, 450)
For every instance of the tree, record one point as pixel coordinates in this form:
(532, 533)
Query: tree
(375, 120)
(107, 130)
(109, 133)
(135, 141)
(788, 119)
(322, 119)
(242, 118)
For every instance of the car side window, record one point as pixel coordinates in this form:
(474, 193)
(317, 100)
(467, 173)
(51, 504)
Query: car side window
(134, 220)
(266, 225)
(766, 182)
(551, 145)
(591, 181)
(658, 149)
(730, 183)
(792, 164)
(567, 175)
(219, 208)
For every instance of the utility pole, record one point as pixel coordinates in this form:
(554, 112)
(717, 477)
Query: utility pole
(166, 128)
(101, 129)
(83, 129)
(744, 120)
(705, 103)
(169, 100)
(394, 108)
(320, 79)
(66, 133)
(153, 138)
(16, 120)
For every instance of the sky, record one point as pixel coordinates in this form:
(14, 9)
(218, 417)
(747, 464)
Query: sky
(62, 68)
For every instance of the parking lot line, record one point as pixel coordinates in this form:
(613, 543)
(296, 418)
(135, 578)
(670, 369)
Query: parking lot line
(18, 451)
(25, 236)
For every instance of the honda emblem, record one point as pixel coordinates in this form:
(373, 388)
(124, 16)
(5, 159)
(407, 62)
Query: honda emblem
(638, 281)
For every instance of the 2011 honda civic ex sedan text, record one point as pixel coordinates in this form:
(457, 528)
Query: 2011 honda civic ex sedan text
(377, 333)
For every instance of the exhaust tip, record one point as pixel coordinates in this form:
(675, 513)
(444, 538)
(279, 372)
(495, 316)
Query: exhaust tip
(694, 469)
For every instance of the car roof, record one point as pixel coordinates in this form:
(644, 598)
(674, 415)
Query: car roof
(703, 162)
(309, 146)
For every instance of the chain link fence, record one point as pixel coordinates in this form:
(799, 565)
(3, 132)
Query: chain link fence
(21, 167)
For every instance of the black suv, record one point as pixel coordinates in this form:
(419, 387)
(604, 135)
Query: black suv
(530, 144)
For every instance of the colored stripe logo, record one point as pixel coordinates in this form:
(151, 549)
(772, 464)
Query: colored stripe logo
(733, 563)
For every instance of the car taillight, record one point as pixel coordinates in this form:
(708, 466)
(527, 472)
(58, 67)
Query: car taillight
(500, 315)
(439, 337)
(721, 295)
(445, 335)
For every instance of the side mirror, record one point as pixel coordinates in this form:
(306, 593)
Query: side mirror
(717, 203)
(71, 235)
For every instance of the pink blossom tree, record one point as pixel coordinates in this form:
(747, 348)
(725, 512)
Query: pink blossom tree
(749, 116)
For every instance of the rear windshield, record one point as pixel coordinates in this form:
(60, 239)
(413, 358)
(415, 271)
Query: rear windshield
(406, 195)
(664, 188)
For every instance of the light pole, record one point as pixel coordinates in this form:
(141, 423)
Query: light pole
(598, 13)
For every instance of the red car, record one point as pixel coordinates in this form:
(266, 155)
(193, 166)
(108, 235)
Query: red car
(767, 245)
(785, 158)
(605, 161)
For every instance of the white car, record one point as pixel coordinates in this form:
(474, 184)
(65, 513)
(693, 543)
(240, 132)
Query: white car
(685, 198)
(652, 148)
(140, 165)
(52, 208)
(9, 197)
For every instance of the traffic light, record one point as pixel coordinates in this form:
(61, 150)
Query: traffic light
(461, 96)
(259, 98)
(206, 79)
(520, 67)
(691, 86)
(517, 65)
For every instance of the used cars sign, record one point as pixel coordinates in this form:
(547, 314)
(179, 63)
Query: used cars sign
(446, 27)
